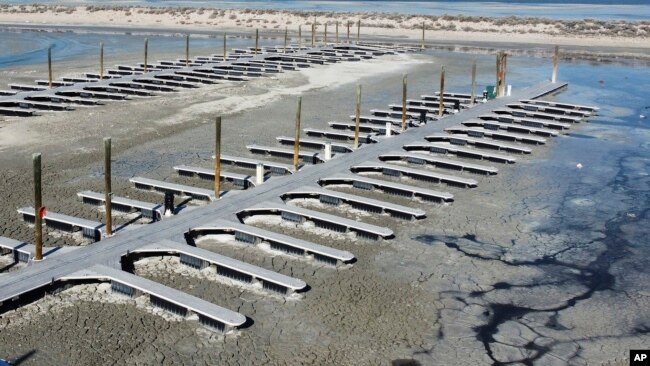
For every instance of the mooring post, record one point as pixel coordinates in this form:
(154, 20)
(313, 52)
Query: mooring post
(101, 60)
(225, 52)
(422, 35)
(217, 158)
(286, 36)
(389, 129)
(313, 33)
(187, 50)
(404, 102)
(296, 138)
(259, 174)
(441, 97)
(348, 39)
(473, 93)
(556, 60)
(501, 73)
(38, 203)
(337, 32)
(49, 66)
(357, 119)
(108, 191)
(325, 35)
(328, 151)
(146, 52)
(358, 31)
(257, 39)
(299, 37)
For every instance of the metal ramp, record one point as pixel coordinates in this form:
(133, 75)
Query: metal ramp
(149, 210)
(322, 220)
(398, 171)
(526, 121)
(446, 149)
(316, 144)
(398, 189)
(239, 180)
(495, 126)
(89, 229)
(479, 143)
(253, 235)
(305, 156)
(200, 258)
(335, 198)
(481, 132)
(210, 315)
(339, 135)
(160, 186)
(438, 162)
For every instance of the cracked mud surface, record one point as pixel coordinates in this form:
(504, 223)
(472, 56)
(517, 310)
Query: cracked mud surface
(542, 264)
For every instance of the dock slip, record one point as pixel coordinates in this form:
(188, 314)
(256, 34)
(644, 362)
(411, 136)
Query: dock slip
(493, 125)
(427, 175)
(288, 244)
(339, 135)
(160, 186)
(273, 167)
(378, 120)
(441, 148)
(89, 229)
(365, 128)
(549, 109)
(398, 189)
(316, 144)
(537, 115)
(320, 219)
(151, 211)
(438, 162)
(239, 180)
(178, 302)
(561, 105)
(23, 252)
(334, 198)
(526, 121)
(495, 134)
(478, 142)
(306, 156)
(200, 258)
(410, 114)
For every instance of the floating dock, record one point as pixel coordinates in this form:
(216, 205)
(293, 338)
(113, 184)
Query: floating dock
(149, 210)
(160, 186)
(89, 229)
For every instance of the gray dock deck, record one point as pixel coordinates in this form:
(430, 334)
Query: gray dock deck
(331, 197)
(481, 132)
(480, 143)
(549, 109)
(560, 105)
(438, 162)
(90, 229)
(441, 148)
(149, 184)
(152, 211)
(339, 135)
(273, 167)
(316, 144)
(239, 180)
(364, 127)
(537, 115)
(253, 235)
(493, 125)
(305, 156)
(398, 171)
(526, 121)
(323, 220)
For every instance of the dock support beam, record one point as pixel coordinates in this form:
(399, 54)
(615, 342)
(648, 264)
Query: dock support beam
(259, 173)
(441, 98)
(187, 50)
(101, 60)
(296, 138)
(107, 183)
(404, 81)
(146, 53)
(473, 94)
(501, 73)
(357, 115)
(49, 66)
(389, 129)
(556, 60)
(257, 39)
(328, 151)
(38, 203)
(217, 158)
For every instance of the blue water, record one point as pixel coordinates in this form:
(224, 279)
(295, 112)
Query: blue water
(555, 9)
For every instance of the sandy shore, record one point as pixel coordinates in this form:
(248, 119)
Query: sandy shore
(446, 28)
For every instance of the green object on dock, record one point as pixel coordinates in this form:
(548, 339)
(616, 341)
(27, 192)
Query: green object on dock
(491, 91)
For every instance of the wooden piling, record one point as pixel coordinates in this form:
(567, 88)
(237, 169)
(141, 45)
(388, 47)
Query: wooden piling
(501, 73)
(49, 66)
(286, 36)
(348, 39)
(472, 97)
(337, 32)
(108, 191)
(225, 50)
(38, 204)
(296, 138)
(101, 60)
(146, 52)
(325, 35)
(257, 39)
(358, 30)
(357, 119)
(217, 158)
(556, 60)
(422, 35)
(404, 81)
(187, 50)
(441, 97)
(313, 33)
(299, 36)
